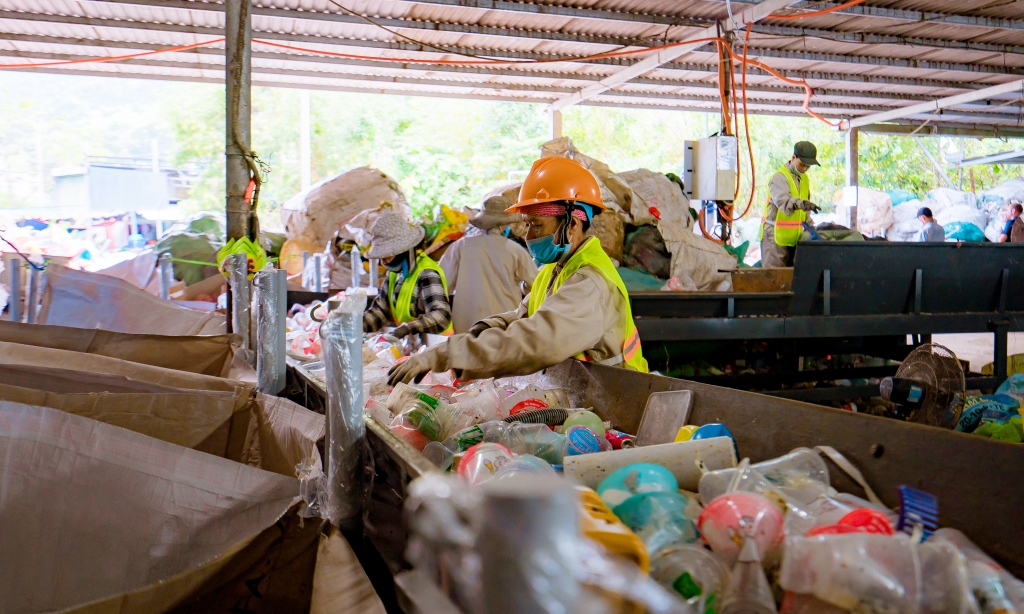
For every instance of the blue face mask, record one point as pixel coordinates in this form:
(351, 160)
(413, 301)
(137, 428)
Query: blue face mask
(397, 266)
(545, 251)
(508, 232)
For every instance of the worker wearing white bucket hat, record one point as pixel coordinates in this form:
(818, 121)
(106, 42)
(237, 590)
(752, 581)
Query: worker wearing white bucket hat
(414, 294)
(578, 307)
(489, 272)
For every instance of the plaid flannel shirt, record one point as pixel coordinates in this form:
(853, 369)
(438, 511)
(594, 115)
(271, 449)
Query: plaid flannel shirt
(429, 306)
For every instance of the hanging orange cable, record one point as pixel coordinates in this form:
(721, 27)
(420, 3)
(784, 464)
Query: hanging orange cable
(821, 12)
(113, 58)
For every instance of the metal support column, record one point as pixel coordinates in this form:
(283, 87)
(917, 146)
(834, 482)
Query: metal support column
(852, 157)
(35, 277)
(238, 84)
(305, 151)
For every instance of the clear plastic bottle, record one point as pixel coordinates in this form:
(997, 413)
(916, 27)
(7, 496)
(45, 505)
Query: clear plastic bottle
(693, 573)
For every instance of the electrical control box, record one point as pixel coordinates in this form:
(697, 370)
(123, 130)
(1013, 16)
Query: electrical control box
(709, 168)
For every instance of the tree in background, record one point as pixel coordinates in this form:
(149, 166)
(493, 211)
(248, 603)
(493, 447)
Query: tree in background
(440, 150)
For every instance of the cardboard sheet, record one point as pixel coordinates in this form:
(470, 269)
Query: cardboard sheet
(99, 515)
(207, 354)
(90, 300)
(340, 585)
(17, 354)
(259, 430)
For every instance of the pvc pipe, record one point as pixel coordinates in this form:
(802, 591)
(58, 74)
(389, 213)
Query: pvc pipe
(342, 340)
(357, 267)
(32, 300)
(237, 266)
(14, 266)
(373, 272)
(318, 272)
(271, 294)
(166, 272)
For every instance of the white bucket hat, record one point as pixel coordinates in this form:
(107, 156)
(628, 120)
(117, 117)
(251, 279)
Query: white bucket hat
(493, 214)
(392, 235)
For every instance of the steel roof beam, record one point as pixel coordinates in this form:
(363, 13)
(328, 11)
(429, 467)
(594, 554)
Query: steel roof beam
(635, 67)
(257, 68)
(870, 38)
(877, 12)
(757, 92)
(750, 15)
(710, 69)
(934, 129)
(936, 106)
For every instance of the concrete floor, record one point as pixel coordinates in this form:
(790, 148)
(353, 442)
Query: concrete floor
(978, 348)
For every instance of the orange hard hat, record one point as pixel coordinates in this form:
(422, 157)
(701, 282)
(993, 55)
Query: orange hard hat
(556, 179)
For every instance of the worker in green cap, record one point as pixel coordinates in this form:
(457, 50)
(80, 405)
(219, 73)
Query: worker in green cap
(789, 193)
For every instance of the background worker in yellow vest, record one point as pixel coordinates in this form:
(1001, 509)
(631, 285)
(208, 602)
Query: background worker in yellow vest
(578, 306)
(789, 201)
(413, 295)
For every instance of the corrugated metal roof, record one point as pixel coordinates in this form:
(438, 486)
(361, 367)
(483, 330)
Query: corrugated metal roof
(876, 56)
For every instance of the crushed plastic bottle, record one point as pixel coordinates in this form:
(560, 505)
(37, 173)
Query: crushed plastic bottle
(748, 591)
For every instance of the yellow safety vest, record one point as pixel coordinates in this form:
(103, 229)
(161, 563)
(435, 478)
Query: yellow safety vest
(788, 228)
(591, 254)
(402, 310)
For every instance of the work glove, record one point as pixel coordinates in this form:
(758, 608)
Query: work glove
(413, 369)
(809, 206)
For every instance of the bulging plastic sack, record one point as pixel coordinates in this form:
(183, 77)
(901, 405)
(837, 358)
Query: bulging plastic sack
(792, 481)
(877, 573)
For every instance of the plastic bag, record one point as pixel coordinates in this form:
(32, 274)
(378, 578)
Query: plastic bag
(433, 418)
(535, 439)
(995, 590)
(480, 402)
(876, 573)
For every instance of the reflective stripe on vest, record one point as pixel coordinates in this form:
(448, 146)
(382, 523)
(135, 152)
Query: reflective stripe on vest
(788, 228)
(401, 310)
(591, 254)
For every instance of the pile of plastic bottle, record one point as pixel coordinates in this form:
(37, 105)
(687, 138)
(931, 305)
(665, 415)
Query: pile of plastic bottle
(762, 537)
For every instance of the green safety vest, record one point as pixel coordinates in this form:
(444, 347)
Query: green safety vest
(591, 254)
(788, 228)
(401, 311)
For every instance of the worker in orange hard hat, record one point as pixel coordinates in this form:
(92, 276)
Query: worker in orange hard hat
(578, 306)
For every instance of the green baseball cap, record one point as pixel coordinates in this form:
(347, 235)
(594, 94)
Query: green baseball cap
(807, 153)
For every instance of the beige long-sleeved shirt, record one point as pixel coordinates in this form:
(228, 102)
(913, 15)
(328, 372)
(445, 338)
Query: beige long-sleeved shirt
(782, 199)
(585, 314)
(485, 272)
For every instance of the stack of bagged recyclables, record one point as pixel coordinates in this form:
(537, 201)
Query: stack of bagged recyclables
(643, 198)
(342, 207)
(963, 215)
(728, 537)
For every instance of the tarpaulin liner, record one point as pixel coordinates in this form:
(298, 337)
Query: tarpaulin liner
(90, 300)
(97, 518)
(321, 210)
(208, 354)
(138, 271)
(16, 354)
(340, 585)
(272, 433)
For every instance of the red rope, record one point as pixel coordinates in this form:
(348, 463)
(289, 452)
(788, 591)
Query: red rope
(114, 57)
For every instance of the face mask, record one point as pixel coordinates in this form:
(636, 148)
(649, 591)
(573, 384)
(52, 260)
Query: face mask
(545, 251)
(508, 232)
(398, 265)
